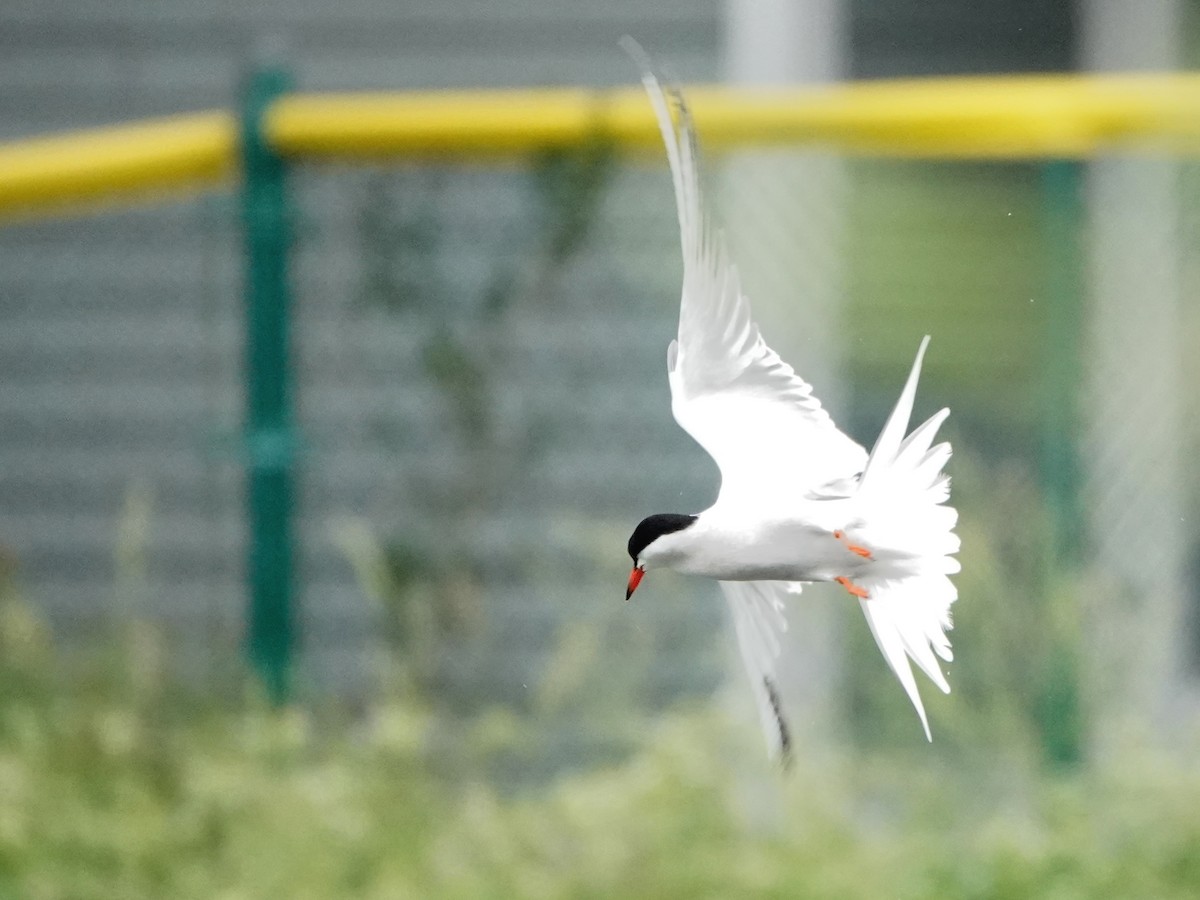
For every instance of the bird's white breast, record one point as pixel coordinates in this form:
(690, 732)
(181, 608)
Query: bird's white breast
(730, 545)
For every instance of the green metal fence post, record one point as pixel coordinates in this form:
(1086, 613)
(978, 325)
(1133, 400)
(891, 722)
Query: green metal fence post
(1062, 188)
(269, 422)
(1059, 707)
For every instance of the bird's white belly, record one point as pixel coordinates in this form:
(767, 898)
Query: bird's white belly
(782, 549)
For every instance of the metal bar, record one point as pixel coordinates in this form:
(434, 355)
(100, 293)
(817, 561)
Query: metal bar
(140, 161)
(1062, 183)
(1044, 116)
(269, 423)
(1007, 117)
(1059, 709)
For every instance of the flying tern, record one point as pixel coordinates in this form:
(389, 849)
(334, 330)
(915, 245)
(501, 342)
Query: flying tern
(799, 500)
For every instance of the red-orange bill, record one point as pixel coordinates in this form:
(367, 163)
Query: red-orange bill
(635, 578)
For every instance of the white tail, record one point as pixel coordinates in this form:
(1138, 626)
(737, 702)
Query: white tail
(910, 531)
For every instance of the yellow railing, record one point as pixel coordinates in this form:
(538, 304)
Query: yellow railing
(147, 159)
(1014, 117)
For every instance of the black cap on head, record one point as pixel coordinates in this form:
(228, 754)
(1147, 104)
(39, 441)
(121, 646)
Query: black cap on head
(653, 527)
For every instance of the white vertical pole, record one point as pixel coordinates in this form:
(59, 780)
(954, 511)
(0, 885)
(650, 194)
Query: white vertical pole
(783, 209)
(1133, 406)
(785, 41)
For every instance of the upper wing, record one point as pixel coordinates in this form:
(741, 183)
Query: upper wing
(731, 392)
(758, 619)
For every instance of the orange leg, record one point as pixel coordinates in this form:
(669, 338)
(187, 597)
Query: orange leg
(853, 588)
(853, 548)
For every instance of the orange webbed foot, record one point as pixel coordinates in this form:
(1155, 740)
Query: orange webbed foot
(852, 588)
(853, 548)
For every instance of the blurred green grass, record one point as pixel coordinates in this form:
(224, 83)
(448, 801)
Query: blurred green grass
(124, 784)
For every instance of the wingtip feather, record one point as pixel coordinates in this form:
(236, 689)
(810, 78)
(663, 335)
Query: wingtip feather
(888, 445)
(637, 53)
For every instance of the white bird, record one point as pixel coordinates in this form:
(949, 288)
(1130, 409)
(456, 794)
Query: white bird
(799, 500)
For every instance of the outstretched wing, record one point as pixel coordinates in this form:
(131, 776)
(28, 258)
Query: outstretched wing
(754, 415)
(759, 622)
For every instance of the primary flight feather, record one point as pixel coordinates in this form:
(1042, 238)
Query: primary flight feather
(799, 501)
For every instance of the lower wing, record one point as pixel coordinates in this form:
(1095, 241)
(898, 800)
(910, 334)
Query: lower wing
(759, 622)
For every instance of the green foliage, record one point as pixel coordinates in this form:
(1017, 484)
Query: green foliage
(121, 785)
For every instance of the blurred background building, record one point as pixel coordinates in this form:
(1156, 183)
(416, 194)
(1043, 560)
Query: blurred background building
(480, 362)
